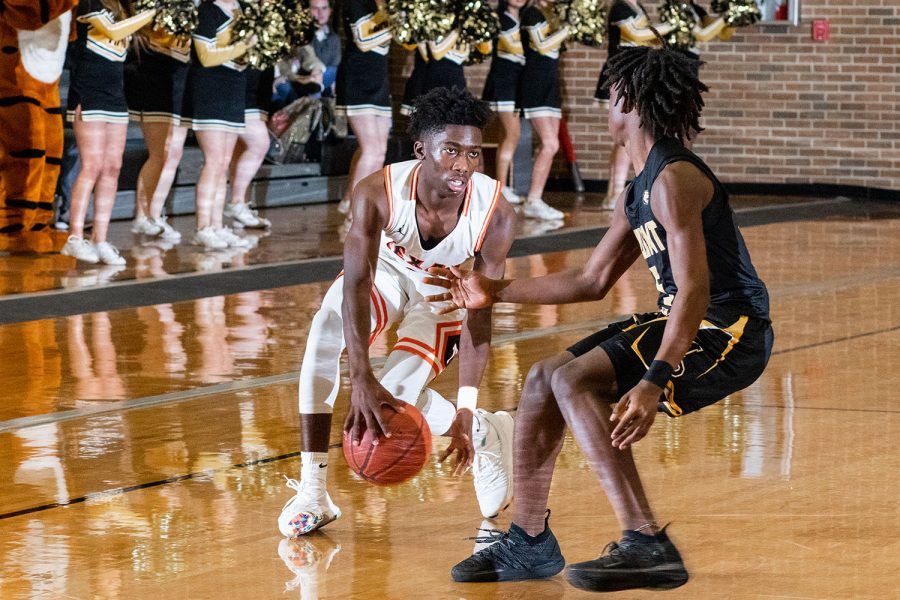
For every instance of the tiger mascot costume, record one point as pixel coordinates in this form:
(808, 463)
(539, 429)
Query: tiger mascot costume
(33, 39)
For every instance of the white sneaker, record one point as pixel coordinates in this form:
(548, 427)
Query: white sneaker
(207, 238)
(538, 209)
(244, 216)
(109, 254)
(234, 241)
(344, 206)
(308, 560)
(510, 194)
(306, 511)
(81, 249)
(493, 466)
(145, 226)
(166, 231)
(609, 203)
(109, 272)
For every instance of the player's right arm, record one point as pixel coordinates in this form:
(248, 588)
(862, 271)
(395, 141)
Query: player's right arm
(617, 250)
(370, 216)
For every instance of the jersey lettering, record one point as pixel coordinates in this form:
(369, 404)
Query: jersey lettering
(648, 239)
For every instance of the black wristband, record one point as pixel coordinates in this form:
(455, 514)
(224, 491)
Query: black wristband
(659, 373)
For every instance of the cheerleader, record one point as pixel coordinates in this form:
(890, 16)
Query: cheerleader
(99, 116)
(415, 83)
(628, 23)
(502, 87)
(439, 63)
(214, 108)
(447, 56)
(540, 99)
(363, 92)
(252, 147)
(155, 90)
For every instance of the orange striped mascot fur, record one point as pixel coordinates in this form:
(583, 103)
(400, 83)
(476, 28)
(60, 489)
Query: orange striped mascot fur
(33, 39)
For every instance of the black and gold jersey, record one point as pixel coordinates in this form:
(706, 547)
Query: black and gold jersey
(735, 288)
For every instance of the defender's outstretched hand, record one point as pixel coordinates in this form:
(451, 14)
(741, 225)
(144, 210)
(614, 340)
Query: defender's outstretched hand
(467, 289)
(460, 442)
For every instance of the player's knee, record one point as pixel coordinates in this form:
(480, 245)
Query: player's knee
(540, 376)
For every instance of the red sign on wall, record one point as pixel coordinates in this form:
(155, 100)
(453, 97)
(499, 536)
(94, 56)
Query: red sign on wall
(820, 30)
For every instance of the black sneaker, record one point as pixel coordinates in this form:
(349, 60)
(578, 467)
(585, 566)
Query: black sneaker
(632, 562)
(512, 557)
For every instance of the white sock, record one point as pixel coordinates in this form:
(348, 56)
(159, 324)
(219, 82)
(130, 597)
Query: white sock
(314, 469)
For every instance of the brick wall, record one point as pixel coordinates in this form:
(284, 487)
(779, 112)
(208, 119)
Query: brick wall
(781, 108)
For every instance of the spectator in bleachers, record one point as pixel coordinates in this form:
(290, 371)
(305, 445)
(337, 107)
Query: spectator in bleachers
(326, 44)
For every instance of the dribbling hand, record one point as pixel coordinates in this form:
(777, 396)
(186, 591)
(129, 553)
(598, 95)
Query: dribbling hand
(366, 401)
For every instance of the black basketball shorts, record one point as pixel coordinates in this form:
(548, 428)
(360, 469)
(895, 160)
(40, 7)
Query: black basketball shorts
(723, 359)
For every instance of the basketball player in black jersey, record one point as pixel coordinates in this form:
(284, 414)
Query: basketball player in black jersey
(710, 337)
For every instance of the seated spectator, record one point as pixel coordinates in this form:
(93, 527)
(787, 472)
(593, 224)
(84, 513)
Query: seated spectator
(298, 76)
(327, 44)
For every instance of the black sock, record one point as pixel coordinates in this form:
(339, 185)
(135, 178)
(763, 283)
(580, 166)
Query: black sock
(639, 537)
(531, 539)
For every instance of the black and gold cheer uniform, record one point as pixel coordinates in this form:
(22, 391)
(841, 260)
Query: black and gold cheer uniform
(362, 85)
(539, 94)
(216, 92)
(501, 89)
(98, 71)
(156, 78)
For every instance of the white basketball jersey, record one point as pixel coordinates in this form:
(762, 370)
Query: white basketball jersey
(401, 244)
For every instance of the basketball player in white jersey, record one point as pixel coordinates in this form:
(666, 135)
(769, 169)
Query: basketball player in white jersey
(434, 210)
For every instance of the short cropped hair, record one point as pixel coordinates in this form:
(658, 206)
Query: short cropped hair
(435, 110)
(661, 83)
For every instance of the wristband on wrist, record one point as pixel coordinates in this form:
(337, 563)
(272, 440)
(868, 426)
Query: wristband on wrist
(659, 373)
(467, 398)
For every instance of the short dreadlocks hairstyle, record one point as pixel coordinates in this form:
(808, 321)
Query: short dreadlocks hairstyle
(436, 109)
(661, 84)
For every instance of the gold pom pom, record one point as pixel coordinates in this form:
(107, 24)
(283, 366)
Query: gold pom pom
(737, 13)
(478, 24)
(299, 23)
(264, 21)
(414, 21)
(175, 17)
(586, 20)
(682, 18)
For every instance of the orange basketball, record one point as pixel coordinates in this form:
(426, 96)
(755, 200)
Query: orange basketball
(397, 458)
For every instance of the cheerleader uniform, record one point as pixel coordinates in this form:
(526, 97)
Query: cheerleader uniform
(539, 93)
(416, 80)
(258, 103)
(362, 78)
(619, 13)
(693, 53)
(215, 95)
(445, 67)
(98, 74)
(502, 85)
(156, 81)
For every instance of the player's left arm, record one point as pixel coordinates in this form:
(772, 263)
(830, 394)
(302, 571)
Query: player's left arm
(475, 340)
(679, 196)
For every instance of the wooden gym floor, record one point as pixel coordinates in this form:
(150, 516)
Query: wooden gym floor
(149, 415)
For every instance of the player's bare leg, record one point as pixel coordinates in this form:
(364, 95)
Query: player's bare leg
(585, 389)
